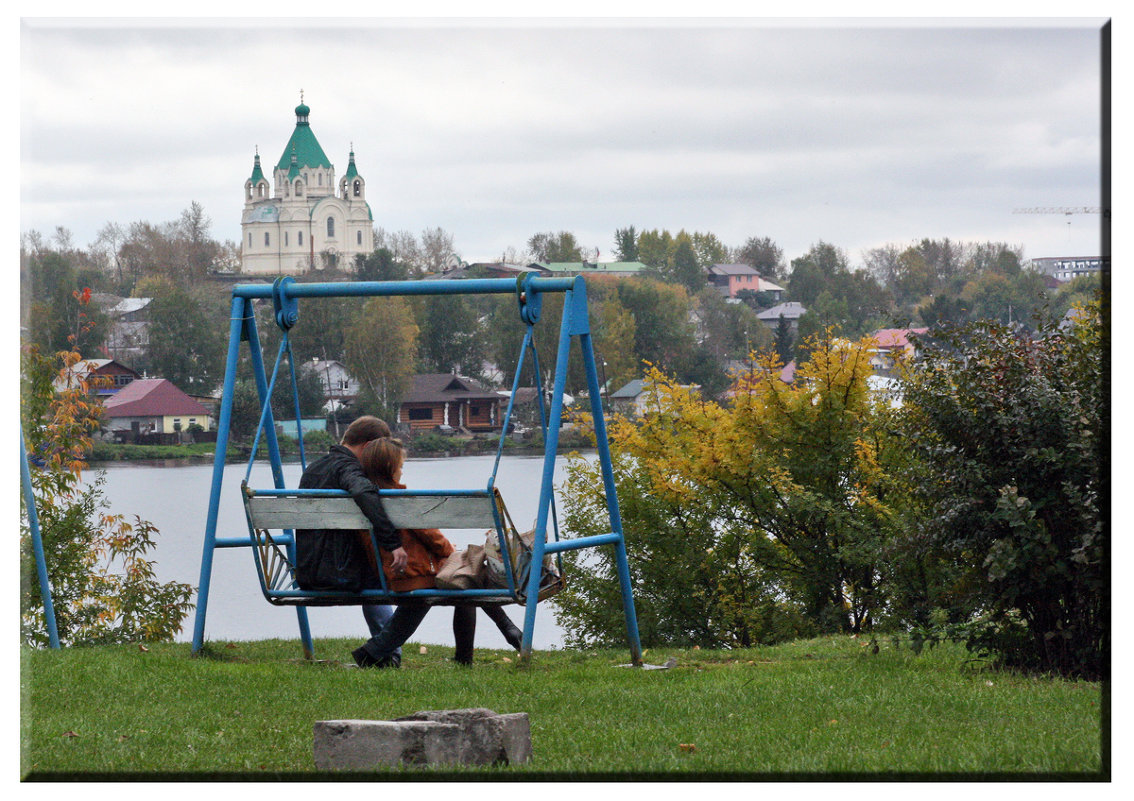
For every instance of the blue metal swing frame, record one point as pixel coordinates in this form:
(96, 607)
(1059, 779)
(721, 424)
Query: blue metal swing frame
(285, 295)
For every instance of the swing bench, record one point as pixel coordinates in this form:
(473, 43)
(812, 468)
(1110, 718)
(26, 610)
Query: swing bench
(291, 511)
(278, 515)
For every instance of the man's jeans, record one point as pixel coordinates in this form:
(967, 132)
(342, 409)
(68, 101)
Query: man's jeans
(377, 616)
(404, 622)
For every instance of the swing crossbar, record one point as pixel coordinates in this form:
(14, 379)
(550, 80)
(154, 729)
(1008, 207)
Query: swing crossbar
(288, 512)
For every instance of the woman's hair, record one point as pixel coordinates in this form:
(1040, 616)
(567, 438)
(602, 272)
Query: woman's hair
(381, 457)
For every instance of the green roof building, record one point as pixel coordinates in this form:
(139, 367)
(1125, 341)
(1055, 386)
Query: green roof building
(303, 220)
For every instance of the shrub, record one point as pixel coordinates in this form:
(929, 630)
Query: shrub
(103, 587)
(1013, 430)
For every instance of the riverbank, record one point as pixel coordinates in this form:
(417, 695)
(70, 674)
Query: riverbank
(427, 445)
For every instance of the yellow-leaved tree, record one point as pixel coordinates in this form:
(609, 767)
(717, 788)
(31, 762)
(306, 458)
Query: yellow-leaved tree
(749, 521)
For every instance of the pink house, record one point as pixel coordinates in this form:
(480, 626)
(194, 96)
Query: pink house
(892, 344)
(731, 279)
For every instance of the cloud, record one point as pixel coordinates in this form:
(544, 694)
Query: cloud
(855, 134)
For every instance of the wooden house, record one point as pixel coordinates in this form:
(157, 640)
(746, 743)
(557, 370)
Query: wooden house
(442, 399)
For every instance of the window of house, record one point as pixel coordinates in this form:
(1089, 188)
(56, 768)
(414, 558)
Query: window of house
(420, 414)
(330, 227)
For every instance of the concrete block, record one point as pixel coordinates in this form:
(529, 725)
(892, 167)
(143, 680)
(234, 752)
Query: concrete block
(442, 737)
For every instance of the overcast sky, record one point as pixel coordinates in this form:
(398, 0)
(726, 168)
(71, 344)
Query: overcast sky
(856, 134)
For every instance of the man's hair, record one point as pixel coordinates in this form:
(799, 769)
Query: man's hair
(365, 429)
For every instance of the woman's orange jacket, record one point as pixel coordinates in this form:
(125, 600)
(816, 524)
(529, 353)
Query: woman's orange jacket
(425, 549)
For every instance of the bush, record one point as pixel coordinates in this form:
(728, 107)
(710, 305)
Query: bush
(1013, 431)
(103, 587)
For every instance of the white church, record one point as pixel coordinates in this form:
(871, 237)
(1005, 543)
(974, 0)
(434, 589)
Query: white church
(300, 222)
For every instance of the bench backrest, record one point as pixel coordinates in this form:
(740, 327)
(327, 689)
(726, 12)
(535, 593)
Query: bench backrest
(404, 511)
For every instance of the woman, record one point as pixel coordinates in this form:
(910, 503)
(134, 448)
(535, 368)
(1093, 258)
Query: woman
(382, 462)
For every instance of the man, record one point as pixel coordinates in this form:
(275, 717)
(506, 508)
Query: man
(337, 560)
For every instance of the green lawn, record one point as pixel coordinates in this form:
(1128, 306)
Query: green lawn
(827, 706)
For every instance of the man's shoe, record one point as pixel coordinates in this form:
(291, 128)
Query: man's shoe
(363, 659)
(392, 661)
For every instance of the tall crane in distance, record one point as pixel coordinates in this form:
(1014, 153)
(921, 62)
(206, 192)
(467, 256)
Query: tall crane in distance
(1068, 210)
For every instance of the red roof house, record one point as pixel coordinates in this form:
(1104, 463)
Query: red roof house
(153, 405)
(893, 343)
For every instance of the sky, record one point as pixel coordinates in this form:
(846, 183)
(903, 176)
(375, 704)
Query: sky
(858, 133)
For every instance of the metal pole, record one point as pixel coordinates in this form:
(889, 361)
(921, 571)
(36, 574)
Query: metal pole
(607, 467)
(241, 309)
(274, 458)
(37, 546)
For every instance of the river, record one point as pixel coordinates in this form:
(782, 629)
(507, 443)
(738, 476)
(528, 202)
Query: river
(174, 496)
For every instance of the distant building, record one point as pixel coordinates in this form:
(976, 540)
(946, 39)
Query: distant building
(731, 279)
(128, 335)
(445, 400)
(638, 397)
(1066, 268)
(298, 222)
(153, 406)
(619, 269)
(115, 375)
(891, 345)
(790, 311)
(340, 388)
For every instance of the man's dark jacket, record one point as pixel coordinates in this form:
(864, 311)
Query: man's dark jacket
(327, 559)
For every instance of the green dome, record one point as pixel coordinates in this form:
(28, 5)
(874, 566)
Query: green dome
(306, 147)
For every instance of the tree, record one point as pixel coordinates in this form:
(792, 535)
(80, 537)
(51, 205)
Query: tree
(745, 523)
(686, 271)
(103, 587)
(380, 351)
(785, 342)
(763, 256)
(1013, 434)
(55, 293)
(626, 244)
(551, 247)
(379, 265)
(186, 346)
(436, 249)
(451, 339)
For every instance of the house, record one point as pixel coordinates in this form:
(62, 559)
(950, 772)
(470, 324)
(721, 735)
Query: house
(790, 311)
(892, 344)
(497, 269)
(443, 399)
(637, 397)
(116, 375)
(619, 269)
(339, 387)
(153, 406)
(731, 279)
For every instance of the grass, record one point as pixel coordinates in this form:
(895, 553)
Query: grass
(816, 708)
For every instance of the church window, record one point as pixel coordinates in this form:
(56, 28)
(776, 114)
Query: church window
(330, 227)
(358, 188)
(360, 237)
(299, 188)
(267, 239)
(249, 239)
(300, 238)
(320, 179)
(285, 239)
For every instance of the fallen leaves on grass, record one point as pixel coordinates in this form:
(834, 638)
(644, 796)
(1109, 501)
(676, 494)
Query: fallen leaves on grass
(688, 748)
(68, 734)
